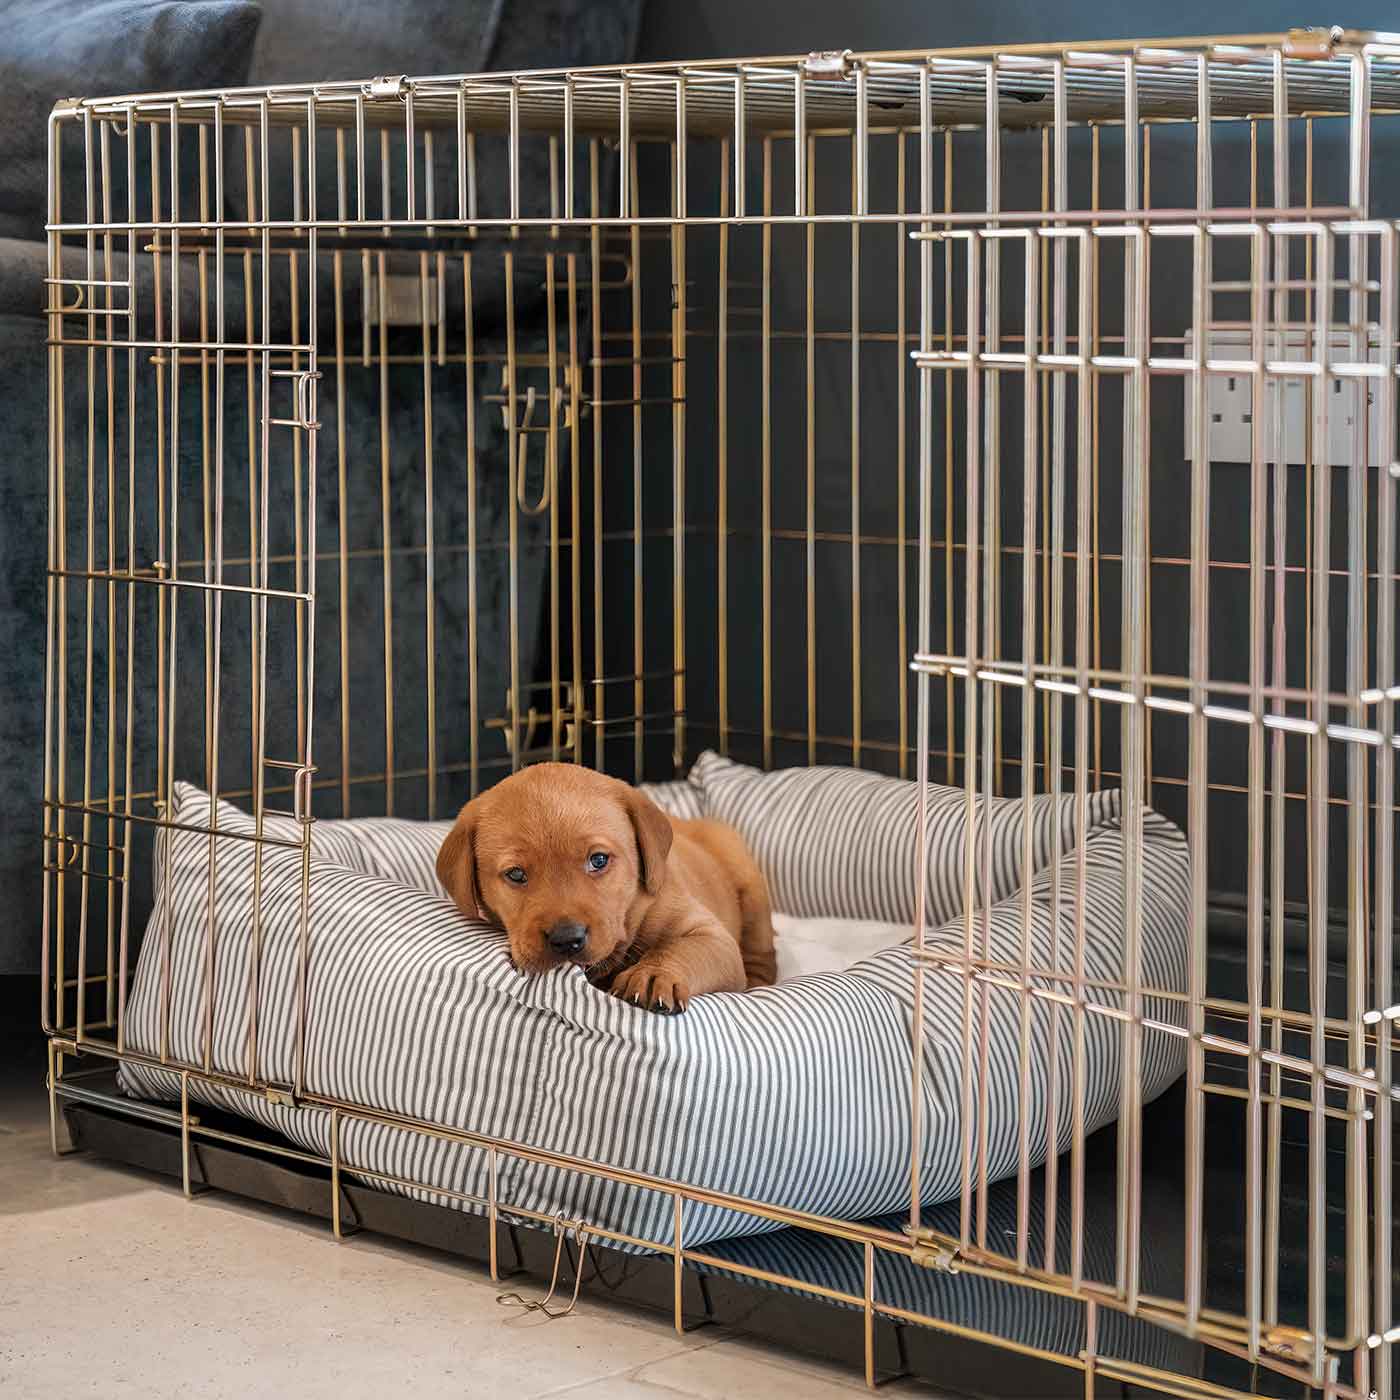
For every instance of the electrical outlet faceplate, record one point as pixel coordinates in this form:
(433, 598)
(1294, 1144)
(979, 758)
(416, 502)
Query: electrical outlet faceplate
(403, 300)
(1230, 398)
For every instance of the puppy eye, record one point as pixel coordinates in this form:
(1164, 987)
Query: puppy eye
(599, 860)
(515, 875)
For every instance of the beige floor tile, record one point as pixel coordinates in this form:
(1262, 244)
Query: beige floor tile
(208, 1299)
(734, 1369)
(621, 1387)
(113, 1285)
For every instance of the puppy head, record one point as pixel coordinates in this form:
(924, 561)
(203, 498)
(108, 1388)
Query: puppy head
(558, 855)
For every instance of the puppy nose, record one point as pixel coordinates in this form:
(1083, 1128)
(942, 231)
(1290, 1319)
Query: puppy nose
(567, 939)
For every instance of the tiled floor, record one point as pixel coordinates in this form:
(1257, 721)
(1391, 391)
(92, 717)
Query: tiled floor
(112, 1284)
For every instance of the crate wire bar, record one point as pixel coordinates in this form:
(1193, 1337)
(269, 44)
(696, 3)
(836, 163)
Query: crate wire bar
(472, 366)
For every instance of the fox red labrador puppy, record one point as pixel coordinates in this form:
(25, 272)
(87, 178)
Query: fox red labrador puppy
(581, 868)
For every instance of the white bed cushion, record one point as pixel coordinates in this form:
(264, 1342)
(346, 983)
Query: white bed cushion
(808, 946)
(795, 1095)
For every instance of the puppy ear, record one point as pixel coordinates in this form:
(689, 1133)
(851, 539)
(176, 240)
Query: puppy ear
(654, 836)
(456, 864)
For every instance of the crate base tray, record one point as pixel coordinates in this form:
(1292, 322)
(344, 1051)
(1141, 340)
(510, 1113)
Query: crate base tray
(802, 1323)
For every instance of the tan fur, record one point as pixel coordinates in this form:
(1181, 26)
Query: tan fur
(680, 910)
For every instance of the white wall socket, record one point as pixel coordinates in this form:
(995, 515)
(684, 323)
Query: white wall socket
(1229, 397)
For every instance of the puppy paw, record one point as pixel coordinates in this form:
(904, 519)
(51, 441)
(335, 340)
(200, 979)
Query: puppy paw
(651, 988)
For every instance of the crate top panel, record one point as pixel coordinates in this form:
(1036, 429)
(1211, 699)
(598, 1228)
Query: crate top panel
(1315, 71)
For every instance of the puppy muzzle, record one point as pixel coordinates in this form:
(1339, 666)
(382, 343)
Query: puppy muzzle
(566, 939)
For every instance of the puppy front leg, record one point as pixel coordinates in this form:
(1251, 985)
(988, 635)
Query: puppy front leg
(756, 934)
(703, 958)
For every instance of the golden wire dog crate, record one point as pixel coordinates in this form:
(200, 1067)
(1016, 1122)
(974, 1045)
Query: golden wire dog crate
(1019, 419)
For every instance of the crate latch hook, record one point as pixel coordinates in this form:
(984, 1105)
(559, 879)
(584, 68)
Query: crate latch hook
(562, 1228)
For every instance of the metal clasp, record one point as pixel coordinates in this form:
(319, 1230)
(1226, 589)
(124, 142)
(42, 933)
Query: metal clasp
(397, 86)
(559, 411)
(829, 65)
(1314, 43)
(85, 291)
(540, 731)
(304, 391)
(556, 396)
(301, 794)
(936, 1257)
(302, 784)
(562, 1227)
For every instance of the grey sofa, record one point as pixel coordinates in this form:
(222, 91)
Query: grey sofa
(226, 43)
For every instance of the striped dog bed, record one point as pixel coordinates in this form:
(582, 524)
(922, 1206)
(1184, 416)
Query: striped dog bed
(795, 1095)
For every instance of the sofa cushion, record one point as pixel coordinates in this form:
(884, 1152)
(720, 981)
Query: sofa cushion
(297, 43)
(96, 48)
(566, 33)
(307, 41)
(23, 542)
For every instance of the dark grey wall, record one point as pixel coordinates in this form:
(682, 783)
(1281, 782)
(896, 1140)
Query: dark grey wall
(677, 29)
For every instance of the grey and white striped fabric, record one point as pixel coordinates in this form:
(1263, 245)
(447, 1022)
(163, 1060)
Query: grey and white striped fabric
(981, 1303)
(795, 1095)
(841, 843)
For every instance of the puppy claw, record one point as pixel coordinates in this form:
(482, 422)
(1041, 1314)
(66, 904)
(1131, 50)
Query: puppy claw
(654, 992)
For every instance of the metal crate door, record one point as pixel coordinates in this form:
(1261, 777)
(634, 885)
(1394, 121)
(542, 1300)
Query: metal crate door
(1210, 632)
(181, 579)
